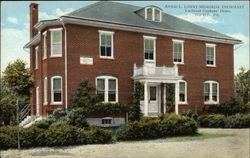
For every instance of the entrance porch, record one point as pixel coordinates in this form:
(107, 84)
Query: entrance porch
(155, 89)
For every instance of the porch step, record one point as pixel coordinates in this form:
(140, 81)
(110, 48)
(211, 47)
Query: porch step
(28, 120)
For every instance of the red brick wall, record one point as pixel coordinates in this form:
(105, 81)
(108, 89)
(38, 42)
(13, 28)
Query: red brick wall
(128, 49)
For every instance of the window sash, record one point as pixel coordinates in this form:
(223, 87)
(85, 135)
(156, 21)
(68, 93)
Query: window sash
(56, 43)
(182, 91)
(210, 55)
(56, 89)
(44, 46)
(149, 49)
(211, 92)
(106, 44)
(36, 57)
(45, 86)
(149, 13)
(177, 51)
(157, 15)
(107, 89)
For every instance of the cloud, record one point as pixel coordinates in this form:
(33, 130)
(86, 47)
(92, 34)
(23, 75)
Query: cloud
(56, 13)
(241, 51)
(199, 19)
(12, 20)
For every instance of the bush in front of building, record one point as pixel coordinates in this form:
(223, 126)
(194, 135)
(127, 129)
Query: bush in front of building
(165, 126)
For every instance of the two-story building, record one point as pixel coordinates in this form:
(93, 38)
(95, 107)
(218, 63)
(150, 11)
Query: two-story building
(112, 45)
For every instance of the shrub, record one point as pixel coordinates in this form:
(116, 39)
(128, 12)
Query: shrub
(8, 137)
(44, 123)
(191, 114)
(77, 117)
(212, 120)
(59, 123)
(238, 121)
(59, 112)
(166, 125)
(98, 135)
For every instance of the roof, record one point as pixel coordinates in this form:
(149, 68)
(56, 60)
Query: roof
(127, 14)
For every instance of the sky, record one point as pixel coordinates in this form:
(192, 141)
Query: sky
(232, 18)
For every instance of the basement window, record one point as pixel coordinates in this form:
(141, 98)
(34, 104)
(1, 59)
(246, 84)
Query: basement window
(107, 121)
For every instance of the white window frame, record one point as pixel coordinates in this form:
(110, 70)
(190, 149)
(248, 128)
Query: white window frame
(45, 91)
(36, 57)
(154, 54)
(182, 50)
(101, 32)
(106, 87)
(153, 14)
(210, 101)
(44, 44)
(214, 47)
(37, 102)
(183, 102)
(52, 90)
(51, 44)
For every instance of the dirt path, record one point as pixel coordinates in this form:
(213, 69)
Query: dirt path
(234, 146)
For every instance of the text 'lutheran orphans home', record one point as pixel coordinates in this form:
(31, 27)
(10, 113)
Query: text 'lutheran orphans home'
(113, 45)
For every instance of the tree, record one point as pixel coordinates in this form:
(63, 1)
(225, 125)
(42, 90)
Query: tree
(17, 77)
(243, 85)
(82, 97)
(135, 112)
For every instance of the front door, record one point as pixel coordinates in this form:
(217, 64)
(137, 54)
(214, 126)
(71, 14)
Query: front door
(153, 100)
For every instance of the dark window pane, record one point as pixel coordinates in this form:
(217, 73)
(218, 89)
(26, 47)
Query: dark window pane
(151, 56)
(206, 98)
(146, 55)
(100, 95)
(102, 51)
(57, 96)
(152, 93)
(108, 51)
(214, 97)
(182, 97)
(112, 96)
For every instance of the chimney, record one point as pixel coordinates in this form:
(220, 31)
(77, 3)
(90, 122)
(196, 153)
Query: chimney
(33, 18)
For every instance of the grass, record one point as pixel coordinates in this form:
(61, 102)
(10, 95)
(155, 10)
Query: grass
(199, 136)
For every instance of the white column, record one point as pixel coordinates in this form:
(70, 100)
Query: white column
(176, 97)
(164, 97)
(145, 99)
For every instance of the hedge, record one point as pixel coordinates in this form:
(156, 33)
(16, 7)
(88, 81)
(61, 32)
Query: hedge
(166, 125)
(53, 136)
(221, 121)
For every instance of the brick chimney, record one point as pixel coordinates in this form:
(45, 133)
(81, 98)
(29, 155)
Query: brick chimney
(33, 18)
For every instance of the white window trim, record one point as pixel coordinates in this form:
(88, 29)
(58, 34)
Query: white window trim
(106, 86)
(182, 50)
(214, 47)
(45, 91)
(183, 102)
(112, 43)
(153, 14)
(52, 91)
(51, 45)
(37, 102)
(44, 44)
(36, 57)
(152, 38)
(211, 92)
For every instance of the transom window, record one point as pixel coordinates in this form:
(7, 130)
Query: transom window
(182, 91)
(149, 48)
(211, 92)
(178, 52)
(36, 57)
(56, 42)
(106, 44)
(210, 54)
(44, 45)
(153, 14)
(107, 88)
(56, 89)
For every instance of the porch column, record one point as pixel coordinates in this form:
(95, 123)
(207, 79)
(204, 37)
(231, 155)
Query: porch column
(164, 97)
(145, 99)
(176, 97)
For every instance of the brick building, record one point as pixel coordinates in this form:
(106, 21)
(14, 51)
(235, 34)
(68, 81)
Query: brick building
(112, 45)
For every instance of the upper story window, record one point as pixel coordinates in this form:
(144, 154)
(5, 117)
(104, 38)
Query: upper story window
(210, 54)
(178, 51)
(211, 92)
(106, 44)
(36, 57)
(153, 14)
(45, 45)
(45, 86)
(107, 88)
(149, 48)
(182, 91)
(56, 90)
(56, 42)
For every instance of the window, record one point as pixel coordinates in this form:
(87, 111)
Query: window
(56, 89)
(182, 91)
(44, 45)
(45, 85)
(178, 52)
(149, 48)
(211, 92)
(106, 121)
(153, 14)
(152, 93)
(210, 54)
(107, 88)
(36, 57)
(106, 44)
(56, 42)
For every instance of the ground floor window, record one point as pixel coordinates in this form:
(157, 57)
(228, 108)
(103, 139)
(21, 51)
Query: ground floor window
(182, 91)
(107, 88)
(211, 92)
(56, 90)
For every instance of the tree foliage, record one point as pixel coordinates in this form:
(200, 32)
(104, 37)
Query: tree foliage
(17, 78)
(135, 112)
(243, 85)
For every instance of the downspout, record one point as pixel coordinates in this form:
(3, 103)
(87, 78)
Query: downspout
(65, 65)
